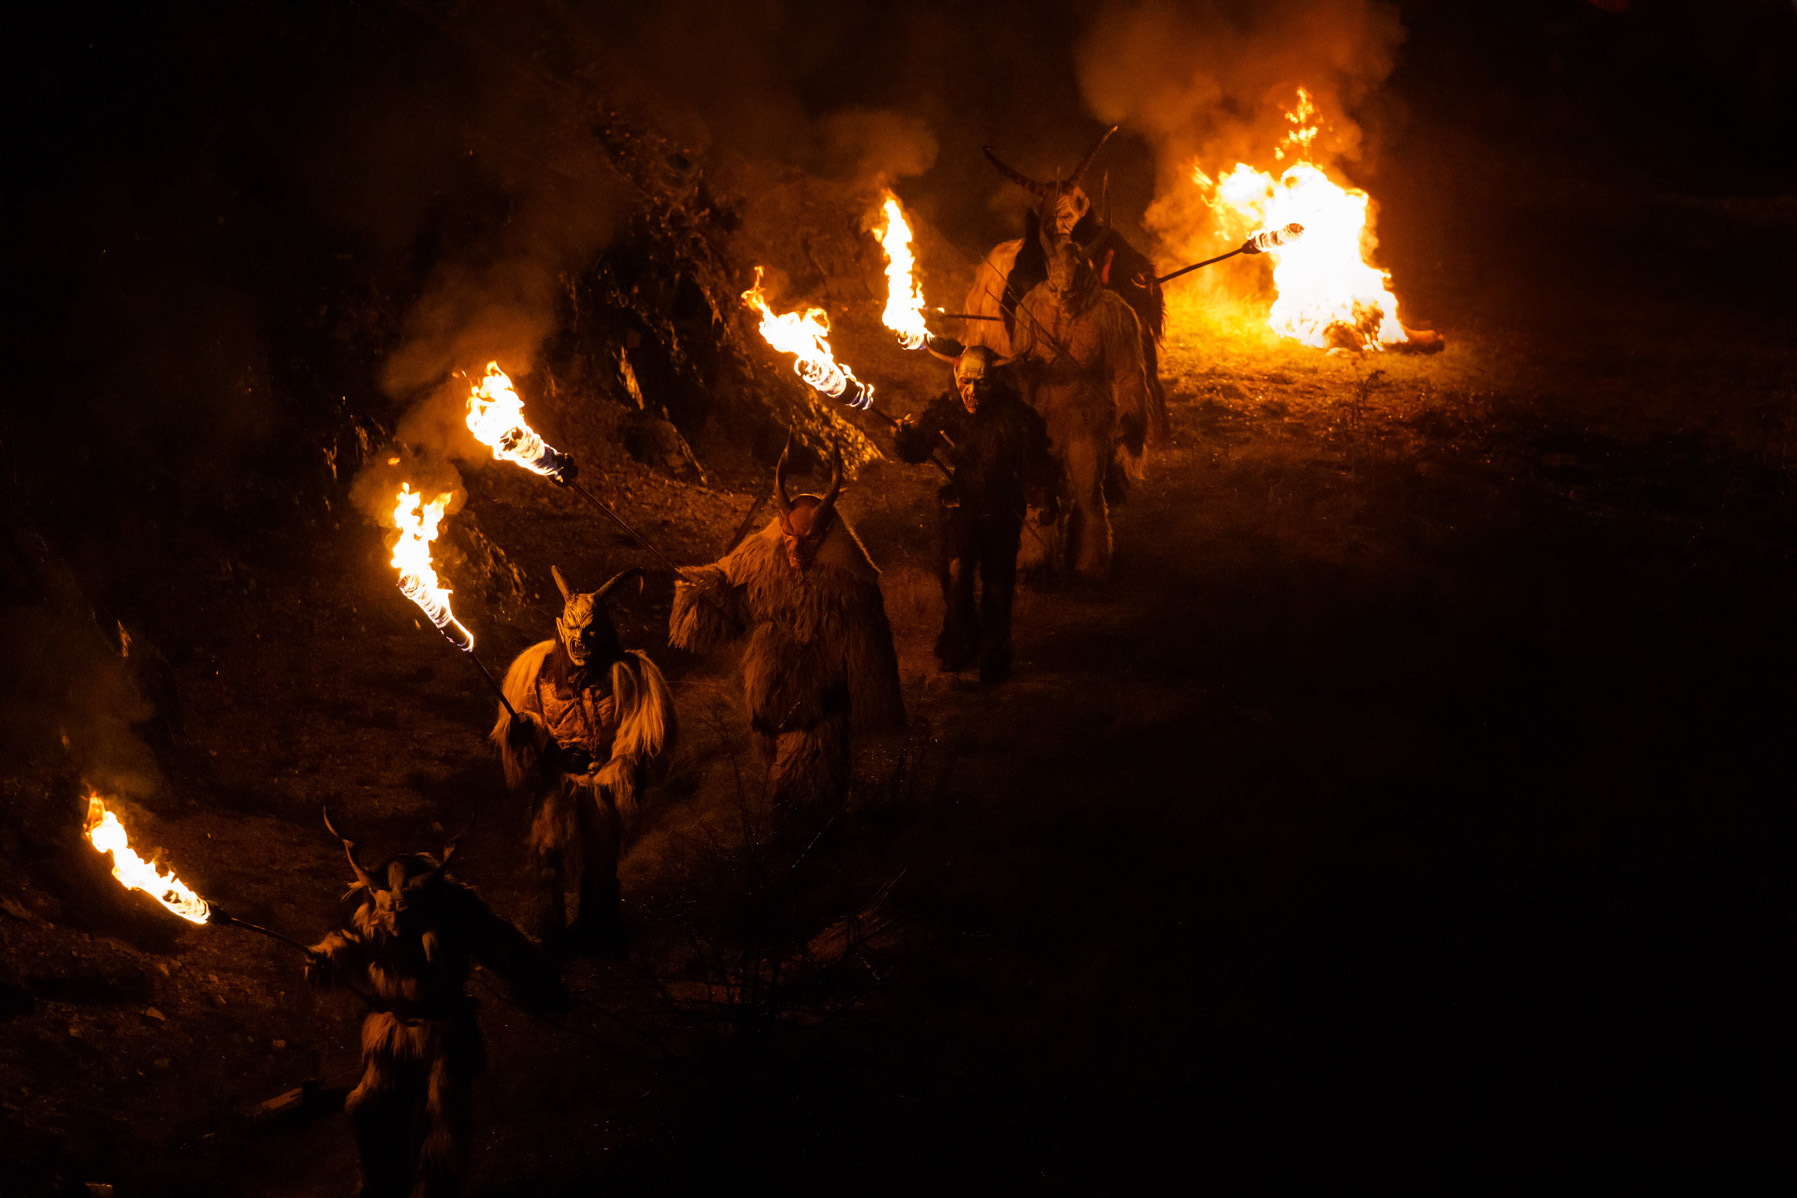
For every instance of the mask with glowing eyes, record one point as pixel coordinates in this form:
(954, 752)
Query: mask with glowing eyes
(585, 626)
(805, 520)
(973, 376)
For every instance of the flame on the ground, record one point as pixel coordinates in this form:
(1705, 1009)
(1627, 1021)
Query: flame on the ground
(108, 835)
(806, 334)
(418, 523)
(496, 418)
(1328, 295)
(904, 298)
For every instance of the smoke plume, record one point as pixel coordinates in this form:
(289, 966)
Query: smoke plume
(1210, 83)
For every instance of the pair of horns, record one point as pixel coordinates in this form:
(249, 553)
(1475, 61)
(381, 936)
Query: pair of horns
(1036, 187)
(828, 505)
(355, 860)
(568, 592)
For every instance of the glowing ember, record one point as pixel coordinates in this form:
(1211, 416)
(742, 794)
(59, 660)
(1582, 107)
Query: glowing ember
(417, 522)
(904, 298)
(108, 836)
(1328, 295)
(806, 335)
(496, 418)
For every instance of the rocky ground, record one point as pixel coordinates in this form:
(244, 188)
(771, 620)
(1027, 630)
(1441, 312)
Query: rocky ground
(1419, 790)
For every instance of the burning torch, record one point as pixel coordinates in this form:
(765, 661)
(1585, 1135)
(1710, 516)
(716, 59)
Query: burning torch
(418, 524)
(107, 836)
(1259, 243)
(904, 295)
(496, 418)
(806, 335)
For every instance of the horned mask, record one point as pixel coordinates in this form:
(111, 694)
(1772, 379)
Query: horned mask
(1070, 200)
(805, 520)
(585, 627)
(407, 877)
(1072, 276)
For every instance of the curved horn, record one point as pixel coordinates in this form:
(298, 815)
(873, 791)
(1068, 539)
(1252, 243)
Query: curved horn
(1017, 177)
(827, 508)
(622, 576)
(1079, 172)
(561, 584)
(781, 499)
(349, 850)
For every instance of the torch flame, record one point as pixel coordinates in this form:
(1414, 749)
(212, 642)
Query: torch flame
(496, 418)
(806, 335)
(417, 522)
(108, 836)
(1328, 295)
(904, 298)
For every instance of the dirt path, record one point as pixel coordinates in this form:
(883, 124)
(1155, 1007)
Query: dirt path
(1424, 743)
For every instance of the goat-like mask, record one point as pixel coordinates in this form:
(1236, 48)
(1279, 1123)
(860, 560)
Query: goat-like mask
(805, 520)
(585, 626)
(1072, 278)
(407, 875)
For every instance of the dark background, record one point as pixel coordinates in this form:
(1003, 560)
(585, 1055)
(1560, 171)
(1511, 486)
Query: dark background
(229, 232)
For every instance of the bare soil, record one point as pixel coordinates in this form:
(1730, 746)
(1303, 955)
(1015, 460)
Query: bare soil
(1419, 792)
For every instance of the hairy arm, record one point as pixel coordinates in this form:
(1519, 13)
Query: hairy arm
(523, 743)
(647, 730)
(339, 953)
(875, 702)
(502, 948)
(1128, 374)
(708, 609)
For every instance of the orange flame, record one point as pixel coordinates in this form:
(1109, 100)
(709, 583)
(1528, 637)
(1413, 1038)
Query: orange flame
(1328, 295)
(806, 335)
(496, 418)
(418, 522)
(108, 836)
(904, 298)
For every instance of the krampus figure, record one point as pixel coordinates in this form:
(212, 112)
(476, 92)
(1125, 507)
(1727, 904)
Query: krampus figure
(408, 947)
(1013, 268)
(1002, 466)
(595, 726)
(1081, 350)
(820, 655)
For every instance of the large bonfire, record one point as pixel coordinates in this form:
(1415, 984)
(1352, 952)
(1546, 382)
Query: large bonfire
(1328, 295)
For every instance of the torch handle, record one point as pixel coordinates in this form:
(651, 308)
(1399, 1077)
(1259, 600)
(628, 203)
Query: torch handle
(639, 538)
(966, 316)
(219, 915)
(1194, 266)
(593, 499)
(494, 683)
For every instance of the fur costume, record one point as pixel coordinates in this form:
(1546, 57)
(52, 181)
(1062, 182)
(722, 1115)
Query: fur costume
(1014, 268)
(591, 739)
(1002, 466)
(1083, 358)
(410, 946)
(820, 656)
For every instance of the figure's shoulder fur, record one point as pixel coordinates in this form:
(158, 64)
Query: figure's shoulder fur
(759, 563)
